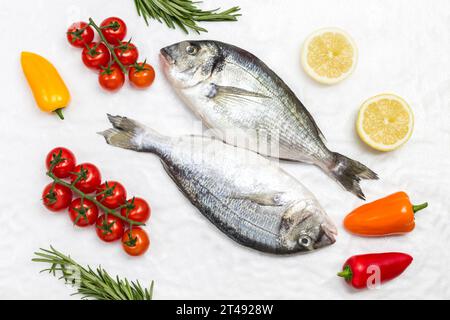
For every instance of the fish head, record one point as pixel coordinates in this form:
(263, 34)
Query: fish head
(306, 227)
(188, 63)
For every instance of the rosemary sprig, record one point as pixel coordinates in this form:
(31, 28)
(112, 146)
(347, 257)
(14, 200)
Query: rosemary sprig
(182, 13)
(96, 284)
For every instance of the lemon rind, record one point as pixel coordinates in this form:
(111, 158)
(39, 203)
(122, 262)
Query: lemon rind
(310, 72)
(367, 139)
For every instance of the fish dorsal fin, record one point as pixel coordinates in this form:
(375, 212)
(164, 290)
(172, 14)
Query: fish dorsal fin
(274, 199)
(217, 92)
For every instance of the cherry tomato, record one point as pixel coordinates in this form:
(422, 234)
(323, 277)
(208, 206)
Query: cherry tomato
(135, 242)
(80, 34)
(109, 229)
(137, 209)
(141, 75)
(83, 213)
(114, 30)
(127, 53)
(66, 162)
(56, 197)
(111, 78)
(90, 180)
(113, 194)
(95, 55)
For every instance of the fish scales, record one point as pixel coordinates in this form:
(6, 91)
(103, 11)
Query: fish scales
(238, 96)
(214, 196)
(246, 196)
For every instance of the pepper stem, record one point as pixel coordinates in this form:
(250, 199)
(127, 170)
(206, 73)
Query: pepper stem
(59, 113)
(347, 273)
(420, 207)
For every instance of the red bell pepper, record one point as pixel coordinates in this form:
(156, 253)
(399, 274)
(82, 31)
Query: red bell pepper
(370, 270)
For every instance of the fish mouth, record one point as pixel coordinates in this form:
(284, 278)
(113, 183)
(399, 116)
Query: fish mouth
(166, 57)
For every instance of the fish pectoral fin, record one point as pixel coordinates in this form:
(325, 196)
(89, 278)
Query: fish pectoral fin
(274, 199)
(219, 92)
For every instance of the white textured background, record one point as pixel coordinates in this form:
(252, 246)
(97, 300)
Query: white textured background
(404, 47)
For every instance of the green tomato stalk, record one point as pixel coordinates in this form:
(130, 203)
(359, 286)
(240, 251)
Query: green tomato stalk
(82, 175)
(108, 45)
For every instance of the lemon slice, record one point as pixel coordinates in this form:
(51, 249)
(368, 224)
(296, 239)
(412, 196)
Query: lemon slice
(329, 55)
(385, 122)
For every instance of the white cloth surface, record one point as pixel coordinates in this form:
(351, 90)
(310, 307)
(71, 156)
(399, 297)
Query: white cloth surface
(403, 47)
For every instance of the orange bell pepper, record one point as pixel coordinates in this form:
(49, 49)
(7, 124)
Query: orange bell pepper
(391, 215)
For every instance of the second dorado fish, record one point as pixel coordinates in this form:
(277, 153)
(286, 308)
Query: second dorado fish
(246, 196)
(229, 88)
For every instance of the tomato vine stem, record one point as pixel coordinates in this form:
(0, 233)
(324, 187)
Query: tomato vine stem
(108, 45)
(83, 195)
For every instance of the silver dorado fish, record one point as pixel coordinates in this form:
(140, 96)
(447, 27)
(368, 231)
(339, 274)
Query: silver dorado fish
(246, 196)
(229, 88)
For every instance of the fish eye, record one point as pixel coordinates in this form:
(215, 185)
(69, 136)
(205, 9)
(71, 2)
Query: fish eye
(304, 241)
(191, 50)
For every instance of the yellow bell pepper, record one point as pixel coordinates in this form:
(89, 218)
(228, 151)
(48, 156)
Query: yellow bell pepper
(49, 89)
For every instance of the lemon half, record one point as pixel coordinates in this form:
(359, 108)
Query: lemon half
(385, 122)
(329, 55)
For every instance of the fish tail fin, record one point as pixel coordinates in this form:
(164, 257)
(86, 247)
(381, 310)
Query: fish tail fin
(348, 173)
(130, 134)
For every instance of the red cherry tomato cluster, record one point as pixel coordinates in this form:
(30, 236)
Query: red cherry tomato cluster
(104, 205)
(110, 56)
